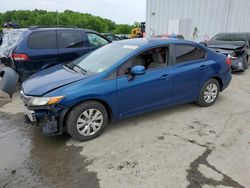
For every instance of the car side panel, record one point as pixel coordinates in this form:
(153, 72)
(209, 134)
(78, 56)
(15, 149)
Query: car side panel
(187, 80)
(146, 92)
(39, 58)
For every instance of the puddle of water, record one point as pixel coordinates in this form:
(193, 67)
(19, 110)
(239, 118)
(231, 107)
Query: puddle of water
(29, 159)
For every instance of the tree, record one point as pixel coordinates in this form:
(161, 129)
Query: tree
(26, 18)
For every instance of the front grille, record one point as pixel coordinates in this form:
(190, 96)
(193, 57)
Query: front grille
(25, 99)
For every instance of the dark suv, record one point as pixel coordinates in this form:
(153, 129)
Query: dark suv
(36, 48)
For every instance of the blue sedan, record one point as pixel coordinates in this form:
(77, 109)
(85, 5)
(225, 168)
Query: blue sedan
(123, 79)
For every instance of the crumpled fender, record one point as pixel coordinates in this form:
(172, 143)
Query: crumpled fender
(8, 80)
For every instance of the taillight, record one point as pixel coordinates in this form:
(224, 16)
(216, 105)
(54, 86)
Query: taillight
(229, 62)
(20, 57)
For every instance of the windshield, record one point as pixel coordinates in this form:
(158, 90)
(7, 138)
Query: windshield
(230, 37)
(104, 57)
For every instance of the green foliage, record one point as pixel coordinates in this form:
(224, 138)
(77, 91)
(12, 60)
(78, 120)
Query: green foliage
(25, 18)
(121, 28)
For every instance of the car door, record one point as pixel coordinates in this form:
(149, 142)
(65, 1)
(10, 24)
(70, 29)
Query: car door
(188, 73)
(42, 50)
(71, 44)
(145, 92)
(95, 41)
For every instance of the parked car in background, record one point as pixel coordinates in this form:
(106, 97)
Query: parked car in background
(171, 36)
(111, 37)
(30, 50)
(233, 45)
(123, 36)
(123, 79)
(248, 36)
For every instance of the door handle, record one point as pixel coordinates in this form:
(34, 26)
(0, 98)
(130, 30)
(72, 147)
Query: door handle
(203, 67)
(165, 77)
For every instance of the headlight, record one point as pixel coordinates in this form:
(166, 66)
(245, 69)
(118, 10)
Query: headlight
(43, 101)
(232, 55)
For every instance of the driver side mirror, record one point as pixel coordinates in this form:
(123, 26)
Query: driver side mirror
(138, 70)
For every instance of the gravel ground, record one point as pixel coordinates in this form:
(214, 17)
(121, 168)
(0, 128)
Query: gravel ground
(184, 146)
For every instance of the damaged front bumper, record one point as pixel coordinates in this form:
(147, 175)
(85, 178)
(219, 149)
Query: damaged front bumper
(51, 119)
(238, 64)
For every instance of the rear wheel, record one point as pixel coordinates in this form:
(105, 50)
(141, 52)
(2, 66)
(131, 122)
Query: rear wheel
(209, 93)
(87, 120)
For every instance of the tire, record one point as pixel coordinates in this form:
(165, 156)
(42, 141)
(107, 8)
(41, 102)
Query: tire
(246, 63)
(81, 122)
(210, 90)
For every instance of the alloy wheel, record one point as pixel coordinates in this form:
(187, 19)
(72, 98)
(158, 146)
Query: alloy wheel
(210, 93)
(89, 122)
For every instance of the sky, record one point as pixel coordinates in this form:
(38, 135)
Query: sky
(120, 11)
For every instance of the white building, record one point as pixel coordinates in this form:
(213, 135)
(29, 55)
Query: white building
(197, 19)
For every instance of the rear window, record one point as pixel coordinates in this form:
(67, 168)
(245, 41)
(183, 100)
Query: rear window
(230, 37)
(42, 40)
(70, 39)
(185, 53)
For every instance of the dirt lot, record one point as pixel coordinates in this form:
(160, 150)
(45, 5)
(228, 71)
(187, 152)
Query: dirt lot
(185, 146)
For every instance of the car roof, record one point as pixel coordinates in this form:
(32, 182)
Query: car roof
(108, 34)
(233, 33)
(35, 28)
(169, 35)
(152, 41)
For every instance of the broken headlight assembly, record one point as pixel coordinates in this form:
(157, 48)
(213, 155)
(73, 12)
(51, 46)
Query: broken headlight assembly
(232, 55)
(40, 101)
(44, 101)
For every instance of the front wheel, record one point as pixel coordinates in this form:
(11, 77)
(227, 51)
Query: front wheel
(209, 93)
(87, 120)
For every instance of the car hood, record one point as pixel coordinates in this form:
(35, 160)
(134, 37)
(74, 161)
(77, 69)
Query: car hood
(49, 80)
(228, 45)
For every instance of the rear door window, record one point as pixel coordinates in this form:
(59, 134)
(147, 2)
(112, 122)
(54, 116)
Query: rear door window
(186, 53)
(96, 40)
(70, 39)
(42, 40)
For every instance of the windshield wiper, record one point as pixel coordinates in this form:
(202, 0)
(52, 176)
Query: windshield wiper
(81, 69)
(69, 66)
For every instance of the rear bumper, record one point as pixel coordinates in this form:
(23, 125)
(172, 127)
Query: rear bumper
(21, 68)
(6, 61)
(24, 74)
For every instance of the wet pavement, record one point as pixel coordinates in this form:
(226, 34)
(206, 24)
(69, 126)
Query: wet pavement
(29, 159)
